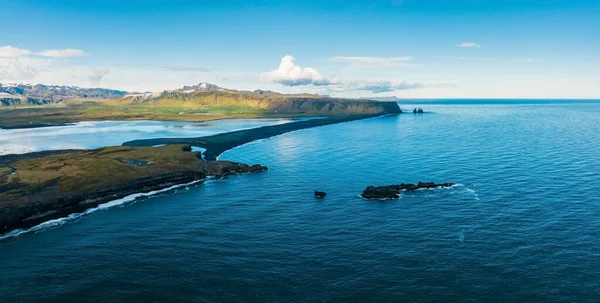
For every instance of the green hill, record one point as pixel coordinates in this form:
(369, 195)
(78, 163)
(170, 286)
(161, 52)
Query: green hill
(210, 98)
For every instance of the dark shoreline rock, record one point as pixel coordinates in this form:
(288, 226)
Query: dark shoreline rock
(393, 191)
(234, 168)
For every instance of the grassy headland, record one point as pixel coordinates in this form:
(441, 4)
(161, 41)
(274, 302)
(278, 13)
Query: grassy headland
(54, 184)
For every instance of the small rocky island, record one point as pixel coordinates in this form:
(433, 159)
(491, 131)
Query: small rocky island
(320, 194)
(393, 191)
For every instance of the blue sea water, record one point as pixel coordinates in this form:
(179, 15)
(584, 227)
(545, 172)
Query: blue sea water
(522, 226)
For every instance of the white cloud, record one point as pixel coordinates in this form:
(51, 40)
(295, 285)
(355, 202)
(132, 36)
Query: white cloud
(96, 75)
(22, 65)
(18, 72)
(9, 51)
(290, 74)
(469, 45)
(370, 62)
(62, 53)
(381, 86)
(28, 61)
(459, 58)
(184, 68)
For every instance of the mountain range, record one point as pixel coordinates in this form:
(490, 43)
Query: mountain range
(21, 94)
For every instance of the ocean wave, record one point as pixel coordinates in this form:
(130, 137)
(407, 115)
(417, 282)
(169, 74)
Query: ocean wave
(474, 193)
(76, 216)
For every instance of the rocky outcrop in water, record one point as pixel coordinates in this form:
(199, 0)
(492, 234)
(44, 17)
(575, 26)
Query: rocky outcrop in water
(380, 192)
(320, 194)
(393, 191)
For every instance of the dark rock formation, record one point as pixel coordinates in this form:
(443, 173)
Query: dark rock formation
(257, 168)
(380, 192)
(320, 194)
(233, 168)
(393, 191)
(417, 111)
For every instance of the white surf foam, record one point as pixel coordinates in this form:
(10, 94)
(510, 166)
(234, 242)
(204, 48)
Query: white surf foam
(434, 188)
(380, 199)
(77, 216)
(474, 193)
(461, 235)
(198, 149)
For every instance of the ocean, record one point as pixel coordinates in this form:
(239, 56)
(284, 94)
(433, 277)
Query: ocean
(522, 224)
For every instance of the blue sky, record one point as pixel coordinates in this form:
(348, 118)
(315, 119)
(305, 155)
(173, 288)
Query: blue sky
(404, 48)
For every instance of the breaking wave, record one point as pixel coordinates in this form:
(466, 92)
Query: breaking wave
(76, 216)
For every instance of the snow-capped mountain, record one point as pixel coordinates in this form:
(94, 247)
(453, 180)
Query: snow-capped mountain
(29, 94)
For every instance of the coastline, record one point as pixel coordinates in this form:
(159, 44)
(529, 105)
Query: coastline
(29, 203)
(73, 216)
